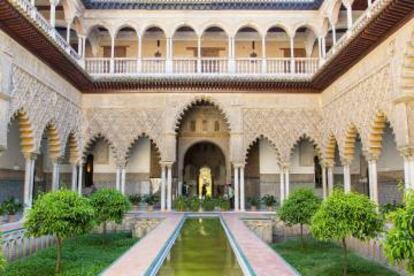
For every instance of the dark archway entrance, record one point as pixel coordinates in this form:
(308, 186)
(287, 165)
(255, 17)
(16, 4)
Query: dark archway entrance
(204, 165)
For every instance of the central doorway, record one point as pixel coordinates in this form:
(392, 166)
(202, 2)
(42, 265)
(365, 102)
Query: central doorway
(204, 171)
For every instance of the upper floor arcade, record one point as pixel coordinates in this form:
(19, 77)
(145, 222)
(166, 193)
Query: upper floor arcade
(272, 42)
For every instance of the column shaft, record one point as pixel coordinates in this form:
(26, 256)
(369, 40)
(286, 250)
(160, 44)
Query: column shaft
(32, 171)
(242, 194)
(292, 55)
(52, 14)
(162, 187)
(169, 188)
(373, 181)
(282, 185)
(55, 176)
(199, 55)
(330, 180)
(324, 186)
(236, 188)
(349, 16)
(68, 33)
(74, 177)
(287, 183)
(27, 177)
(123, 175)
(80, 180)
(347, 178)
(118, 179)
(333, 33)
(411, 173)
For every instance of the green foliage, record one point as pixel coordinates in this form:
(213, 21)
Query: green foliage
(109, 205)
(11, 206)
(390, 207)
(344, 215)
(399, 241)
(269, 200)
(254, 201)
(324, 259)
(208, 204)
(193, 204)
(299, 208)
(224, 204)
(83, 255)
(62, 213)
(151, 200)
(2, 260)
(135, 199)
(181, 203)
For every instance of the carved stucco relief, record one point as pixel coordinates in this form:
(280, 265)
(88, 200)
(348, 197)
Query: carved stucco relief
(282, 127)
(43, 106)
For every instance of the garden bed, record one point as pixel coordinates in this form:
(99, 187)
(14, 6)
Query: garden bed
(84, 255)
(324, 258)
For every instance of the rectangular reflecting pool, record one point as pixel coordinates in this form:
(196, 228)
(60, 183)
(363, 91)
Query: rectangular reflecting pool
(201, 248)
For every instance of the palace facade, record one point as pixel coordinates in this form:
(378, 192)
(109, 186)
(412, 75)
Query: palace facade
(150, 96)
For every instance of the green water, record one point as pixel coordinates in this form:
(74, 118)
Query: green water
(201, 248)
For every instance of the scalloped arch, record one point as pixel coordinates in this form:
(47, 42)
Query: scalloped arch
(249, 146)
(130, 146)
(27, 141)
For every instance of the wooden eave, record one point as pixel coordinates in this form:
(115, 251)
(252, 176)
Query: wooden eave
(25, 32)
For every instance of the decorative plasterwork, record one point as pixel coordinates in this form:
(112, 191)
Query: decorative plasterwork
(122, 127)
(43, 106)
(282, 127)
(357, 105)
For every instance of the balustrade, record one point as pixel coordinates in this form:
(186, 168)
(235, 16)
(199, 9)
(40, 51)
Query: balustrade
(243, 66)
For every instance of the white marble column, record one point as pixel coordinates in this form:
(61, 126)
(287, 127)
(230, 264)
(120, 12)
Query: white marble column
(323, 47)
(112, 62)
(232, 55)
(83, 47)
(411, 173)
(80, 46)
(139, 57)
(264, 61)
(282, 185)
(330, 180)
(32, 176)
(74, 177)
(199, 54)
(123, 176)
(27, 179)
(55, 175)
(292, 54)
(324, 186)
(52, 13)
(68, 33)
(236, 188)
(163, 187)
(373, 180)
(320, 47)
(333, 34)
(118, 179)
(169, 55)
(349, 16)
(287, 183)
(169, 187)
(80, 179)
(347, 178)
(242, 189)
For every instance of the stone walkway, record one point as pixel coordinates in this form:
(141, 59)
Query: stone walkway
(139, 258)
(263, 259)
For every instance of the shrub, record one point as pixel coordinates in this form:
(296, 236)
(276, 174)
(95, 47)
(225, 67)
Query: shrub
(254, 201)
(181, 203)
(11, 206)
(63, 214)
(399, 241)
(2, 261)
(346, 215)
(224, 204)
(193, 204)
(135, 199)
(208, 204)
(299, 208)
(110, 205)
(269, 200)
(151, 200)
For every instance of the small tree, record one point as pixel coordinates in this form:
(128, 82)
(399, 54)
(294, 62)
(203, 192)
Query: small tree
(399, 241)
(62, 214)
(346, 215)
(299, 208)
(110, 205)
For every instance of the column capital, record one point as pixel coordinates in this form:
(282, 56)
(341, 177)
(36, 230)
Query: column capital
(407, 152)
(30, 155)
(167, 164)
(239, 164)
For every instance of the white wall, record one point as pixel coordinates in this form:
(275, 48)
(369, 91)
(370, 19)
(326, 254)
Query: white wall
(390, 159)
(139, 161)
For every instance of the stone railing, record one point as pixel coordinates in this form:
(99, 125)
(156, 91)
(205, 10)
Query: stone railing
(357, 27)
(31, 13)
(203, 66)
(15, 244)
